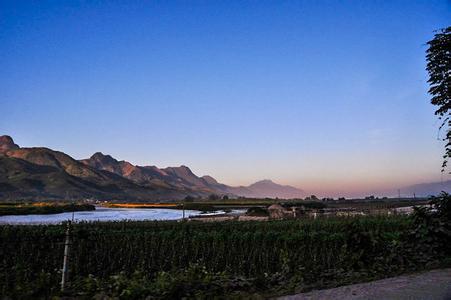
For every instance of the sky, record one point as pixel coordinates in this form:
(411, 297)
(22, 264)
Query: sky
(327, 96)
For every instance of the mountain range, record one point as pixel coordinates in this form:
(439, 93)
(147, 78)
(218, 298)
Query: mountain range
(42, 173)
(426, 189)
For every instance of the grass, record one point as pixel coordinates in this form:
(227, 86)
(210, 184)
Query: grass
(42, 208)
(142, 205)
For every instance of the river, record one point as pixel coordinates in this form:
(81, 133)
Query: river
(103, 214)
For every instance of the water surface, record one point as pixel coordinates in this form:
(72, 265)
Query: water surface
(103, 214)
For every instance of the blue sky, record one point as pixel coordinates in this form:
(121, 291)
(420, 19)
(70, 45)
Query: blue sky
(329, 96)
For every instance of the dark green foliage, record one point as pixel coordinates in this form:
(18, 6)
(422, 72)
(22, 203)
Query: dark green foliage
(205, 207)
(15, 209)
(213, 197)
(438, 58)
(432, 230)
(257, 212)
(196, 281)
(189, 198)
(306, 204)
(174, 259)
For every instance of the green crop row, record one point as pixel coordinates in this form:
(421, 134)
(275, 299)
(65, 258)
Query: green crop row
(297, 254)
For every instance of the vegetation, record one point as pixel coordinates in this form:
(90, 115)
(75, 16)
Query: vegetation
(438, 58)
(305, 204)
(377, 203)
(246, 203)
(257, 212)
(214, 197)
(219, 204)
(433, 224)
(42, 208)
(131, 260)
(141, 205)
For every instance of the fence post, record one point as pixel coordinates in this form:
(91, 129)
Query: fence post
(64, 274)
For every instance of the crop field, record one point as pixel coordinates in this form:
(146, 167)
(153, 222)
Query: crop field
(170, 259)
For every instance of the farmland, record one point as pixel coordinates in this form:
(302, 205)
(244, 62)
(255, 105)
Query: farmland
(206, 204)
(174, 259)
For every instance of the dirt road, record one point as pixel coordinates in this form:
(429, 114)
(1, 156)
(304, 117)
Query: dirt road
(433, 285)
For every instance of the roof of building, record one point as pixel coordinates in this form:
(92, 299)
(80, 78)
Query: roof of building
(276, 207)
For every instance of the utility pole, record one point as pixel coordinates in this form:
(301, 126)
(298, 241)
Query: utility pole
(399, 194)
(67, 198)
(73, 210)
(64, 273)
(183, 205)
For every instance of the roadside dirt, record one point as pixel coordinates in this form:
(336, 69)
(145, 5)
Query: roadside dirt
(433, 285)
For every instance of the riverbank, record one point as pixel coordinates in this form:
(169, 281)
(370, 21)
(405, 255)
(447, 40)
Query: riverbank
(203, 205)
(42, 208)
(102, 214)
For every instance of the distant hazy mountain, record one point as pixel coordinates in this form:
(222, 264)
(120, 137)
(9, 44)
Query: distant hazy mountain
(427, 189)
(267, 188)
(43, 173)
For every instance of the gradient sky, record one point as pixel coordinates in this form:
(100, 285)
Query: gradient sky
(328, 96)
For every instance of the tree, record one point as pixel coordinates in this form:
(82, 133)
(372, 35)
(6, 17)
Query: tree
(213, 197)
(189, 198)
(438, 57)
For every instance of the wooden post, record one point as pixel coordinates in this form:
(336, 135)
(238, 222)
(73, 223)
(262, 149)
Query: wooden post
(64, 275)
(183, 205)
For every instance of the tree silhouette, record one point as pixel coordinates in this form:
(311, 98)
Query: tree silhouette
(438, 58)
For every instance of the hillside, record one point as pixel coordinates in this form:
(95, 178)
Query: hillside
(43, 173)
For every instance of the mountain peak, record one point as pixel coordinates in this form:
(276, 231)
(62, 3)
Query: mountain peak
(267, 181)
(7, 143)
(184, 169)
(97, 155)
(6, 139)
(102, 157)
(268, 188)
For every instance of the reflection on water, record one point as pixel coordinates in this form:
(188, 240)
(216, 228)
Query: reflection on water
(103, 214)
